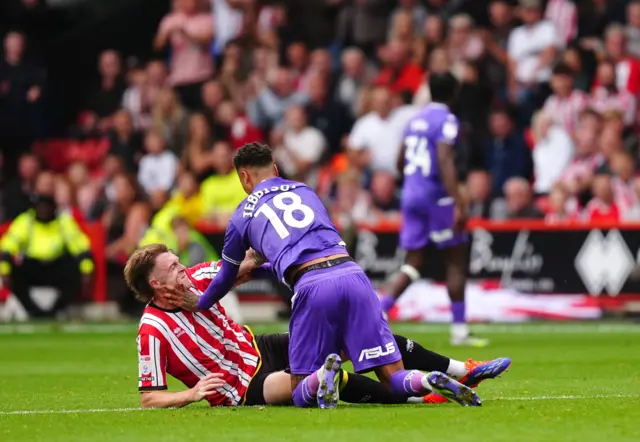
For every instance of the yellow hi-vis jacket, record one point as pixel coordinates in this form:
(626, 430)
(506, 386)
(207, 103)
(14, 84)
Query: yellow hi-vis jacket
(27, 237)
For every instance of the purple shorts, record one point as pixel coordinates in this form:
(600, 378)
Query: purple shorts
(431, 223)
(337, 309)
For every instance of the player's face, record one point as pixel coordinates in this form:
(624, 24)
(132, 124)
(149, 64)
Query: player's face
(169, 271)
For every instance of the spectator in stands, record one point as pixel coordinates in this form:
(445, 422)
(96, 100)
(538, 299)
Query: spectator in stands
(327, 115)
(566, 103)
(267, 110)
(65, 195)
(297, 57)
(186, 200)
(609, 144)
(106, 97)
(301, 147)
(364, 23)
(622, 183)
(563, 206)
(613, 121)
(582, 79)
(236, 126)
(439, 63)
(401, 27)
(532, 48)
(18, 190)
(435, 32)
(351, 202)
(472, 90)
(322, 66)
(375, 139)
(157, 79)
(478, 192)
(158, 167)
(197, 155)
(355, 74)
(633, 28)
(602, 206)
(579, 173)
(212, 95)
(137, 99)
(627, 67)
(417, 12)
(124, 142)
(21, 84)
(634, 213)
(45, 248)
(232, 72)
(172, 119)
(552, 152)
(607, 96)
(519, 199)
(189, 33)
(507, 154)
(264, 61)
(463, 44)
(495, 40)
(399, 73)
(385, 204)
(564, 16)
(229, 21)
(124, 221)
(222, 192)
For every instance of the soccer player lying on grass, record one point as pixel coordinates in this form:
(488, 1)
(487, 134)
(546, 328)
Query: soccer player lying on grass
(224, 363)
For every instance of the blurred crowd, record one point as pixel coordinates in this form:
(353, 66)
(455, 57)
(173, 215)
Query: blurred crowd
(548, 106)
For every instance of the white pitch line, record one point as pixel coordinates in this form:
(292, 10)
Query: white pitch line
(124, 410)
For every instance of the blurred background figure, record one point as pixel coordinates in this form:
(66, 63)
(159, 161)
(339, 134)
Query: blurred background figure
(46, 248)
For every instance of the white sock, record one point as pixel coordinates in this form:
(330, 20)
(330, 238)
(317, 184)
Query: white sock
(456, 369)
(459, 331)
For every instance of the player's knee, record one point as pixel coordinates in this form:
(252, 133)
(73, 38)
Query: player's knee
(410, 271)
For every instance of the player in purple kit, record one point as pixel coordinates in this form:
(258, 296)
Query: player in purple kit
(433, 211)
(334, 305)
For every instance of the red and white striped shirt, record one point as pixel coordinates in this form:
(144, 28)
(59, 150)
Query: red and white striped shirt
(623, 101)
(189, 346)
(564, 15)
(565, 111)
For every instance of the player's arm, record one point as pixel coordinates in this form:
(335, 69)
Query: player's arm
(167, 399)
(448, 173)
(446, 158)
(233, 253)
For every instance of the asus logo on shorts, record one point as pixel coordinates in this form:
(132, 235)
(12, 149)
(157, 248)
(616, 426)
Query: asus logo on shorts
(377, 352)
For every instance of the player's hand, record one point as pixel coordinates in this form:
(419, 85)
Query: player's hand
(179, 297)
(256, 257)
(206, 386)
(461, 216)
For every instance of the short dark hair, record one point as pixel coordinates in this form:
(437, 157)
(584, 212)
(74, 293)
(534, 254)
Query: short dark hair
(138, 268)
(563, 69)
(443, 87)
(253, 155)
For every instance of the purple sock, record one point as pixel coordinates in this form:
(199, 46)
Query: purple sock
(406, 383)
(306, 393)
(387, 301)
(457, 308)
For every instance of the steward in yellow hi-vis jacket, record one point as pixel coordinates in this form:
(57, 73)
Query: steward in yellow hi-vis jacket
(44, 248)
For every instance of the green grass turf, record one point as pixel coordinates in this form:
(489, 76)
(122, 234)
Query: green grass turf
(573, 382)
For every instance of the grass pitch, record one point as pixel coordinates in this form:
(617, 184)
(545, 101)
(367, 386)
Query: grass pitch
(568, 382)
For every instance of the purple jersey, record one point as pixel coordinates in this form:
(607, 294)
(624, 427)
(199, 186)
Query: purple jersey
(427, 209)
(432, 125)
(286, 222)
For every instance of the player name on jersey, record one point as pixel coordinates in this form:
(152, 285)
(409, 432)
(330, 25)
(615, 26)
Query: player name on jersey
(252, 200)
